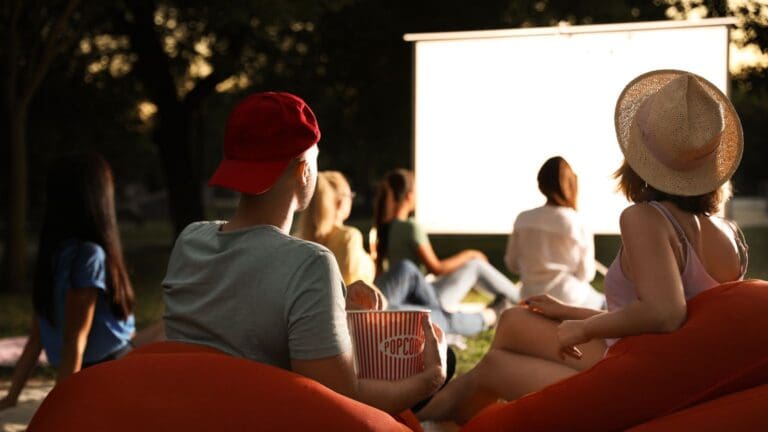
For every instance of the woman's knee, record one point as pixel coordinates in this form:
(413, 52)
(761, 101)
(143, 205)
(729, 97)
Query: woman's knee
(405, 267)
(511, 323)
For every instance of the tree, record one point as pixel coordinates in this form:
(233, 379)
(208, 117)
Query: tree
(34, 35)
(185, 50)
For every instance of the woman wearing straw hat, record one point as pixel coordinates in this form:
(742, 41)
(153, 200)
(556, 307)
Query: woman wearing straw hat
(682, 141)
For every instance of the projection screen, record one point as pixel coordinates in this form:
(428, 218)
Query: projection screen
(491, 106)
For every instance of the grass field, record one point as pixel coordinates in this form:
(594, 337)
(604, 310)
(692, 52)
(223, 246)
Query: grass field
(147, 249)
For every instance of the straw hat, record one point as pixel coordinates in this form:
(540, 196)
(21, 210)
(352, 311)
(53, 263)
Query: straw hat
(678, 132)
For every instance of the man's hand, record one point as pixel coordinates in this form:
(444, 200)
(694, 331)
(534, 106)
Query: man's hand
(433, 363)
(361, 296)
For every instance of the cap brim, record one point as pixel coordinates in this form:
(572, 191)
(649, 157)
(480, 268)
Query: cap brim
(706, 178)
(248, 177)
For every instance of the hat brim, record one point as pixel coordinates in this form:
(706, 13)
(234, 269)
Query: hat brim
(248, 177)
(715, 171)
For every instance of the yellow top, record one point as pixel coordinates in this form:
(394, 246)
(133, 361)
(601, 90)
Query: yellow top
(346, 243)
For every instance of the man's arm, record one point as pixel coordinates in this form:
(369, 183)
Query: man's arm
(338, 374)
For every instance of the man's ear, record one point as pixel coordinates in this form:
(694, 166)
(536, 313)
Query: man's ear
(303, 174)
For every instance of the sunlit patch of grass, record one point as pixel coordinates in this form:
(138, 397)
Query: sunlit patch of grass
(476, 348)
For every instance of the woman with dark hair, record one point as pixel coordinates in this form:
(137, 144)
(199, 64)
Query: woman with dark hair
(550, 248)
(400, 238)
(682, 141)
(83, 299)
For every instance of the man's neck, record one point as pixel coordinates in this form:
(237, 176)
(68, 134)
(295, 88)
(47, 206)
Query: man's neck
(263, 211)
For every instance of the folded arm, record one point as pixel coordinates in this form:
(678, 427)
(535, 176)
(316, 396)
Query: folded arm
(649, 262)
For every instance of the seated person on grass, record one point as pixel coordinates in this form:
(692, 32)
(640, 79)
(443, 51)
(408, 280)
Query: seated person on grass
(399, 237)
(246, 287)
(550, 246)
(83, 298)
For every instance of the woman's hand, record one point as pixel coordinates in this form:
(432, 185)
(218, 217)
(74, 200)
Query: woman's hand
(548, 306)
(569, 334)
(476, 254)
(361, 296)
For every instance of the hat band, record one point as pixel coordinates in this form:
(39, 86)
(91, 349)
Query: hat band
(681, 163)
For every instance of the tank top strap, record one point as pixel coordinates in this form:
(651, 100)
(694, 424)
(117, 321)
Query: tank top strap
(679, 229)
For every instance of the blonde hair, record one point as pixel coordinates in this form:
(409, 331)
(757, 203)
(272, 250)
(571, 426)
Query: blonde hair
(318, 220)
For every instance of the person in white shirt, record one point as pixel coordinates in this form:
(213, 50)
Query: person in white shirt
(550, 248)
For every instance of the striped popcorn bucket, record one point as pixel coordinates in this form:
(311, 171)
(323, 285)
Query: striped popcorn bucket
(388, 345)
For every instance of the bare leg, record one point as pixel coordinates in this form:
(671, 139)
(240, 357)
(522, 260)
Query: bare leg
(523, 358)
(524, 332)
(499, 375)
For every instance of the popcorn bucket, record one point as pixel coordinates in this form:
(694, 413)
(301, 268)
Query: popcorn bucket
(388, 345)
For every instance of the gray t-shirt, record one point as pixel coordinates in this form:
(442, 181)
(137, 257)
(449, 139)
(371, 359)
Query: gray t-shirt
(255, 293)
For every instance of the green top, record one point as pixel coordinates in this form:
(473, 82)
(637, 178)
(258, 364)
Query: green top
(405, 237)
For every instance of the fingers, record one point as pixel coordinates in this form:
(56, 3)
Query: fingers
(360, 295)
(381, 299)
(438, 332)
(429, 330)
(573, 352)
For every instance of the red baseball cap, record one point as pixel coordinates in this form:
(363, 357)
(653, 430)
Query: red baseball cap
(264, 133)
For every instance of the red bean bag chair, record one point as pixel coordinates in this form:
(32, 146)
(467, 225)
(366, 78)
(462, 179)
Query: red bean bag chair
(742, 411)
(172, 386)
(721, 349)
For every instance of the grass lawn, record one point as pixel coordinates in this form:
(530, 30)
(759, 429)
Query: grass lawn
(147, 249)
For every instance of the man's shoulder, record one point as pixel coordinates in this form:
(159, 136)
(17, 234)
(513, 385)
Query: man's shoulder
(304, 247)
(201, 227)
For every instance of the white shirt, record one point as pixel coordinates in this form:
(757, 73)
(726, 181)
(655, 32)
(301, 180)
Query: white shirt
(554, 253)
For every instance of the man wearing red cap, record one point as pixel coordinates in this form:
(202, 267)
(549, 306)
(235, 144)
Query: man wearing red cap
(249, 289)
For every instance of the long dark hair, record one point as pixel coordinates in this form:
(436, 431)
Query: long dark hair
(558, 182)
(81, 205)
(393, 190)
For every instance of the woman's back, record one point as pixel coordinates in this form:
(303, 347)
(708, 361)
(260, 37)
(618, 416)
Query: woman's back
(707, 251)
(553, 253)
(81, 265)
(346, 244)
(714, 242)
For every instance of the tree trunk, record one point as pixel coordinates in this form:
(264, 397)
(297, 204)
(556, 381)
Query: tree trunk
(172, 137)
(16, 236)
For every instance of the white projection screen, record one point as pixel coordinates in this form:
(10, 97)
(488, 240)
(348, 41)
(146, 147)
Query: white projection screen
(491, 106)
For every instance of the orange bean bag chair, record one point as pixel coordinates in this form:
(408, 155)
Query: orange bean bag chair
(742, 411)
(721, 349)
(171, 386)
